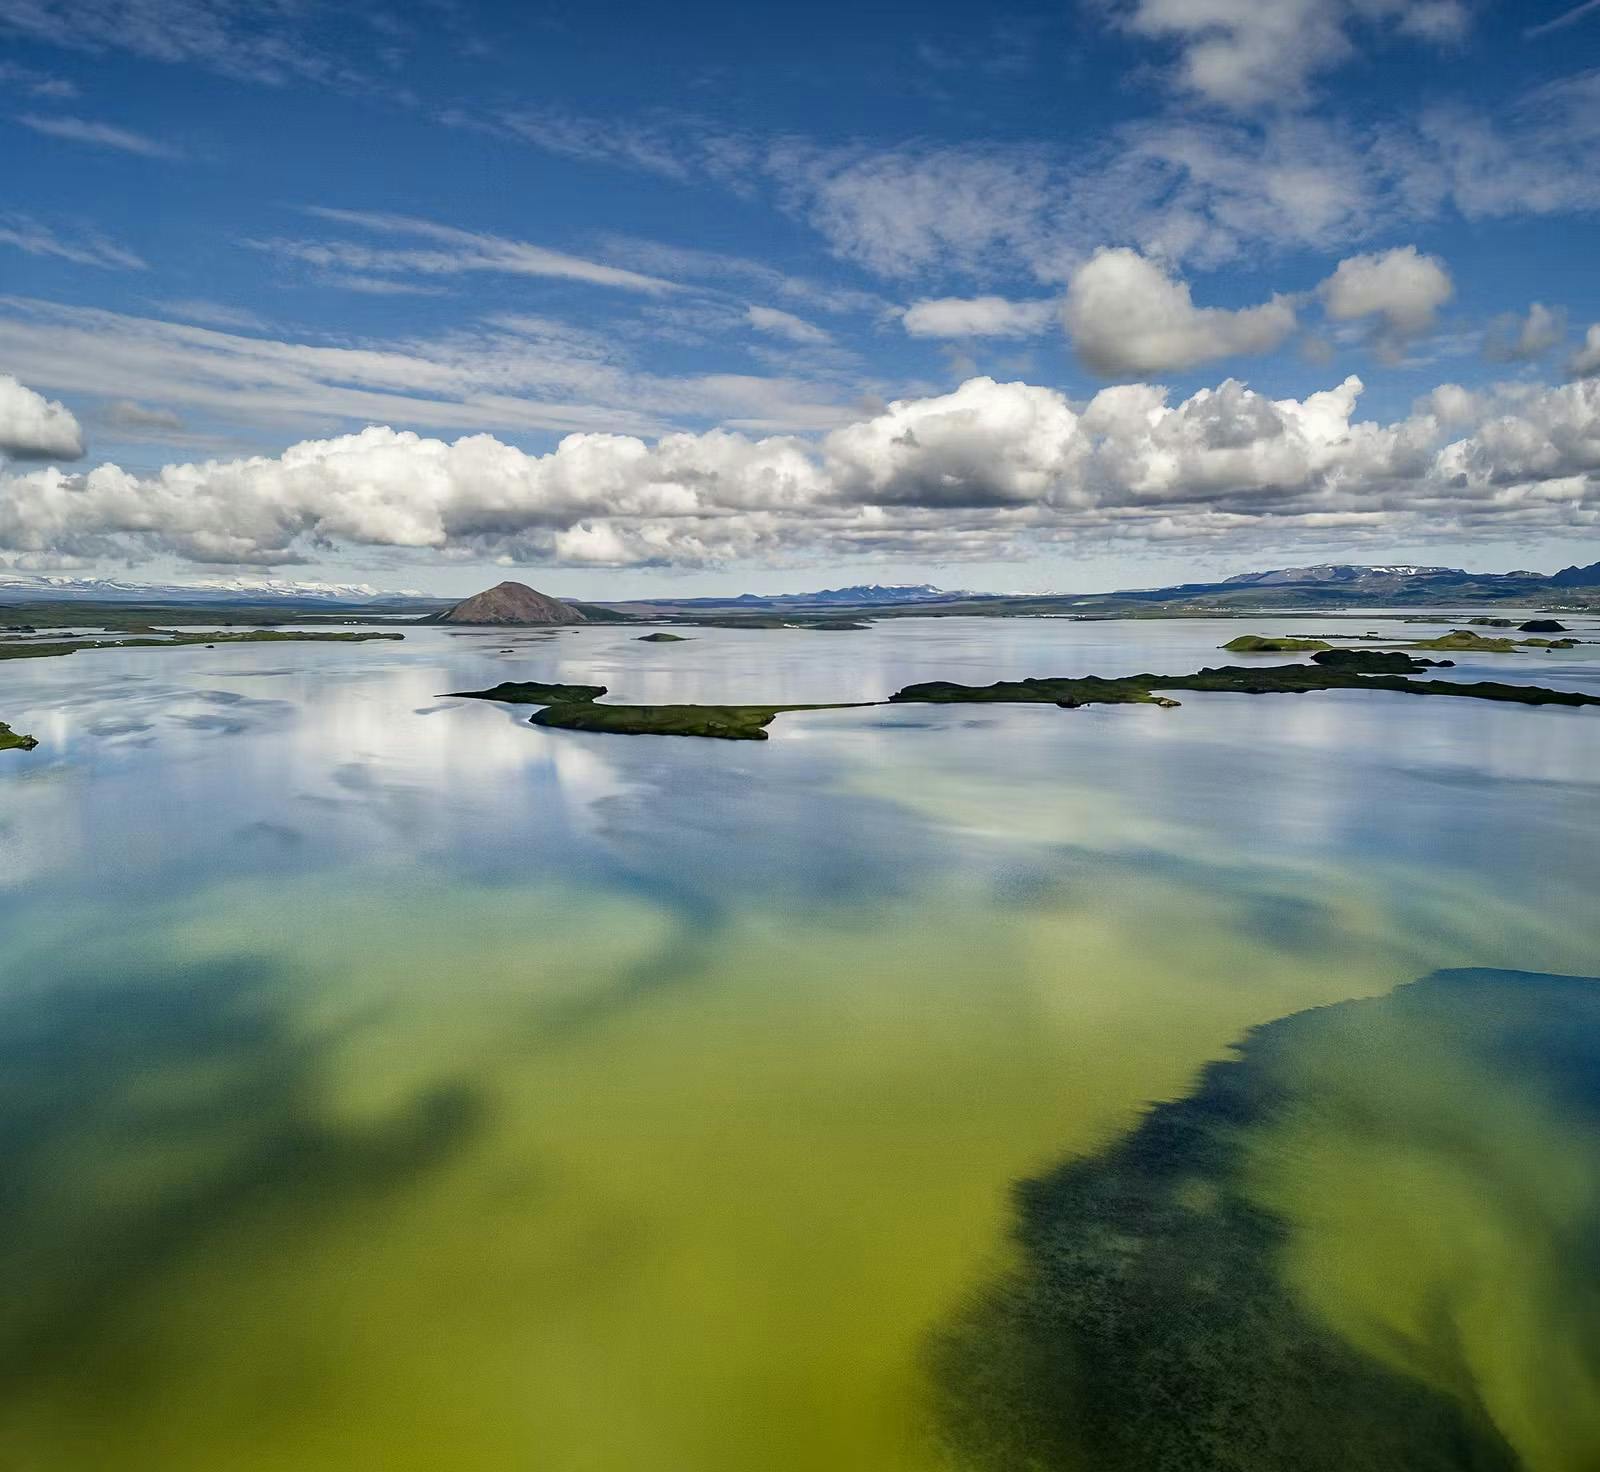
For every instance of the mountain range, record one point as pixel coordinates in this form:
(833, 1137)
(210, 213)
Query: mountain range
(1322, 585)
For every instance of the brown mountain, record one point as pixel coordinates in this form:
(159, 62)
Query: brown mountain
(511, 603)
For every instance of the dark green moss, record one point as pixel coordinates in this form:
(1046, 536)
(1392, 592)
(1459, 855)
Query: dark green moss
(533, 692)
(14, 741)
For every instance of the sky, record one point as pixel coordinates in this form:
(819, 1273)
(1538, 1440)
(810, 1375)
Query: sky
(629, 300)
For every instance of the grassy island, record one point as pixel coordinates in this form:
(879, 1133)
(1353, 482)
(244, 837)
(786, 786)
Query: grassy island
(1268, 644)
(14, 741)
(662, 637)
(533, 692)
(719, 722)
(578, 707)
(1285, 679)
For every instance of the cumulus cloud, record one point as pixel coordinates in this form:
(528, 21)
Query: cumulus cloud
(1242, 53)
(1514, 339)
(985, 471)
(1586, 360)
(785, 324)
(1402, 288)
(977, 316)
(33, 427)
(1127, 317)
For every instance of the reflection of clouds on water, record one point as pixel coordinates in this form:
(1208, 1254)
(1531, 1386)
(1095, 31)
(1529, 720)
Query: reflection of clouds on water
(740, 1022)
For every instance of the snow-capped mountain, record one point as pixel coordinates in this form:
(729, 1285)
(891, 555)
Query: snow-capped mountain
(1338, 572)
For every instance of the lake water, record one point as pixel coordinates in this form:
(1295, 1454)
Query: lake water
(386, 1083)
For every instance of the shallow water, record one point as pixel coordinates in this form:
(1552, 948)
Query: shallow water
(388, 1083)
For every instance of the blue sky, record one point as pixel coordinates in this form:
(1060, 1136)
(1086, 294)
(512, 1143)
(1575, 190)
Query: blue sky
(751, 255)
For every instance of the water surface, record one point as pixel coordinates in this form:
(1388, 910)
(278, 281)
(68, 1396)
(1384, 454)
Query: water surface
(388, 1083)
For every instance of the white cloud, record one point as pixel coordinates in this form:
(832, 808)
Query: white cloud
(989, 470)
(1245, 53)
(36, 239)
(908, 210)
(36, 83)
(213, 314)
(127, 415)
(785, 324)
(33, 427)
(979, 316)
(986, 444)
(98, 135)
(450, 251)
(1586, 361)
(1514, 339)
(1126, 317)
(1403, 288)
(510, 372)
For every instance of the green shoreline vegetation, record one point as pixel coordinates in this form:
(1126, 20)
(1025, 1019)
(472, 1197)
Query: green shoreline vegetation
(14, 740)
(50, 649)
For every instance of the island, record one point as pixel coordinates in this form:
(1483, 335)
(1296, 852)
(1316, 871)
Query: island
(532, 692)
(1458, 641)
(578, 707)
(662, 637)
(719, 722)
(1273, 644)
(14, 740)
(1284, 679)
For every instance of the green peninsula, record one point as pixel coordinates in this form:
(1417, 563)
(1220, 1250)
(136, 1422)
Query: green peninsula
(14, 741)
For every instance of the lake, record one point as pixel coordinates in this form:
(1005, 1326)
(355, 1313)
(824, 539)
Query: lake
(387, 1083)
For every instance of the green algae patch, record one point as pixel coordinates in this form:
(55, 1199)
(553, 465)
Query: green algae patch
(720, 722)
(14, 740)
(533, 692)
(1268, 644)
(1317, 1259)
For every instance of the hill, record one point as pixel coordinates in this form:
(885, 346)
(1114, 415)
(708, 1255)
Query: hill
(510, 603)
